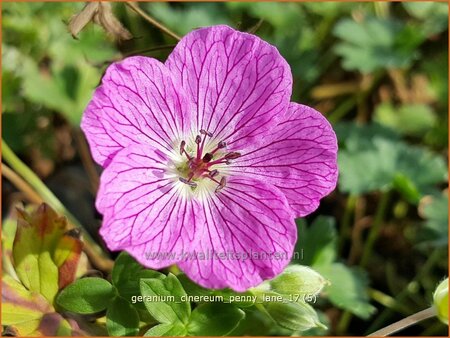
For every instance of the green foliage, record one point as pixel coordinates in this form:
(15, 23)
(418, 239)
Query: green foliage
(86, 296)
(408, 119)
(41, 258)
(296, 316)
(435, 210)
(376, 43)
(170, 311)
(122, 319)
(61, 73)
(347, 287)
(381, 162)
(214, 319)
(167, 330)
(318, 242)
(127, 273)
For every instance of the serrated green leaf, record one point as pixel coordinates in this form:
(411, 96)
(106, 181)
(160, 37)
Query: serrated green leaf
(376, 43)
(86, 296)
(122, 319)
(29, 313)
(164, 299)
(214, 319)
(45, 256)
(348, 289)
(373, 163)
(167, 330)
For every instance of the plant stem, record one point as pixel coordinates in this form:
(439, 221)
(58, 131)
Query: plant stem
(375, 229)
(432, 259)
(135, 7)
(94, 251)
(404, 323)
(21, 184)
(346, 220)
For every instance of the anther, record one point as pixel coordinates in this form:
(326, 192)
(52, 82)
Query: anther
(205, 132)
(189, 183)
(182, 145)
(232, 156)
(221, 144)
(223, 182)
(207, 158)
(198, 139)
(213, 173)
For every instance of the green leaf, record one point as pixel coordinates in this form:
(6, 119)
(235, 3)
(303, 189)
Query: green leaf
(86, 296)
(348, 289)
(192, 288)
(126, 275)
(435, 210)
(296, 316)
(45, 256)
(184, 19)
(434, 15)
(376, 43)
(317, 243)
(167, 330)
(409, 119)
(122, 319)
(214, 319)
(163, 299)
(255, 323)
(374, 163)
(29, 313)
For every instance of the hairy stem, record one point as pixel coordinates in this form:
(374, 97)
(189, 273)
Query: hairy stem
(404, 323)
(93, 250)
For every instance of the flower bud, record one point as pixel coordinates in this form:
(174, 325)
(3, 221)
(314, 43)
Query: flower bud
(440, 301)
(293, 316)
(298, 279)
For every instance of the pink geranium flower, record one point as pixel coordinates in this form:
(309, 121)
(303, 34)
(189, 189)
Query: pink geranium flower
(207, 163)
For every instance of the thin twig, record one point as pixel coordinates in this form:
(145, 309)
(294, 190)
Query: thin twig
(404, 323)
(21, 184)
(134, 6)
(148, 50)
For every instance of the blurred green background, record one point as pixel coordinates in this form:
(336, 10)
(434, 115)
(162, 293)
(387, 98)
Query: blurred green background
(377, 71)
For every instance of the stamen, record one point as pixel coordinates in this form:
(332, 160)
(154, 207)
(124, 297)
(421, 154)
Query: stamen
(198, 139)
(223, 182)
(220, 145)
(182, 145)
(189, 183)
(232, 156)
(183, 150)
(207, 158)
(205, 132)
(213, 173)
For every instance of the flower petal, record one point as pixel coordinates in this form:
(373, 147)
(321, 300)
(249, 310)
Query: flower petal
(299, 157)
(237, 82)
(249, 237)
(144, 210)
(138, 102)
